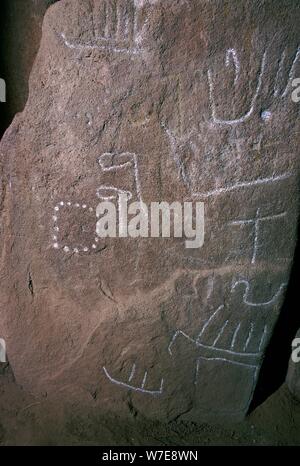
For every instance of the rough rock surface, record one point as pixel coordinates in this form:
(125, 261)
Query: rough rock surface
(293, 375)
(192, 100)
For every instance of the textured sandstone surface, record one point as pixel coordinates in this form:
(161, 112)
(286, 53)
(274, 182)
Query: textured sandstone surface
(192, 100)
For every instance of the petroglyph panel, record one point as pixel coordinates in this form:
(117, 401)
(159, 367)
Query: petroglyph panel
(152, 99)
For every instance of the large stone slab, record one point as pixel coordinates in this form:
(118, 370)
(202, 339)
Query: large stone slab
(170, 101)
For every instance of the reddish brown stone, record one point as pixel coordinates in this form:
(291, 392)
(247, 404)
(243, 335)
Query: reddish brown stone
(200, 92)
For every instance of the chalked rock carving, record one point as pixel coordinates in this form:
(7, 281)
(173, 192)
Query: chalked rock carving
(151, 99)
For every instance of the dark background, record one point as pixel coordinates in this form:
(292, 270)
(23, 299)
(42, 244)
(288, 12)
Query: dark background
(20, 34)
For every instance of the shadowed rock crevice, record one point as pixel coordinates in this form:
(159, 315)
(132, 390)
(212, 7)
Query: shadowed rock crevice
(20, 34)
(274, 369)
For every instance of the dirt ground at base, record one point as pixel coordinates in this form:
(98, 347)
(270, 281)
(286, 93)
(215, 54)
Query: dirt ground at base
(25, 420)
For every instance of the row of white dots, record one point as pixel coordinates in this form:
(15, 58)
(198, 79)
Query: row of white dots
(69, 204)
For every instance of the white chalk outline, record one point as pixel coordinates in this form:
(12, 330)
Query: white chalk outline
(144, 380)
(116, 39)
(217, 191)
(132, 373)
(114, 189)
(247, 293)
(249, 336)
(233, 341)
(220, 333)
(248, 114)
(210, 286)
(256, 222)
(228, 361)
(209, 321)
(133, 162)
(231, 53)
(262, 341)
(243, 184)
(237, 363)
(249, 366)
(110, 48)
(208, 347)
(175, 142)
(136, 389)
(278, 74)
